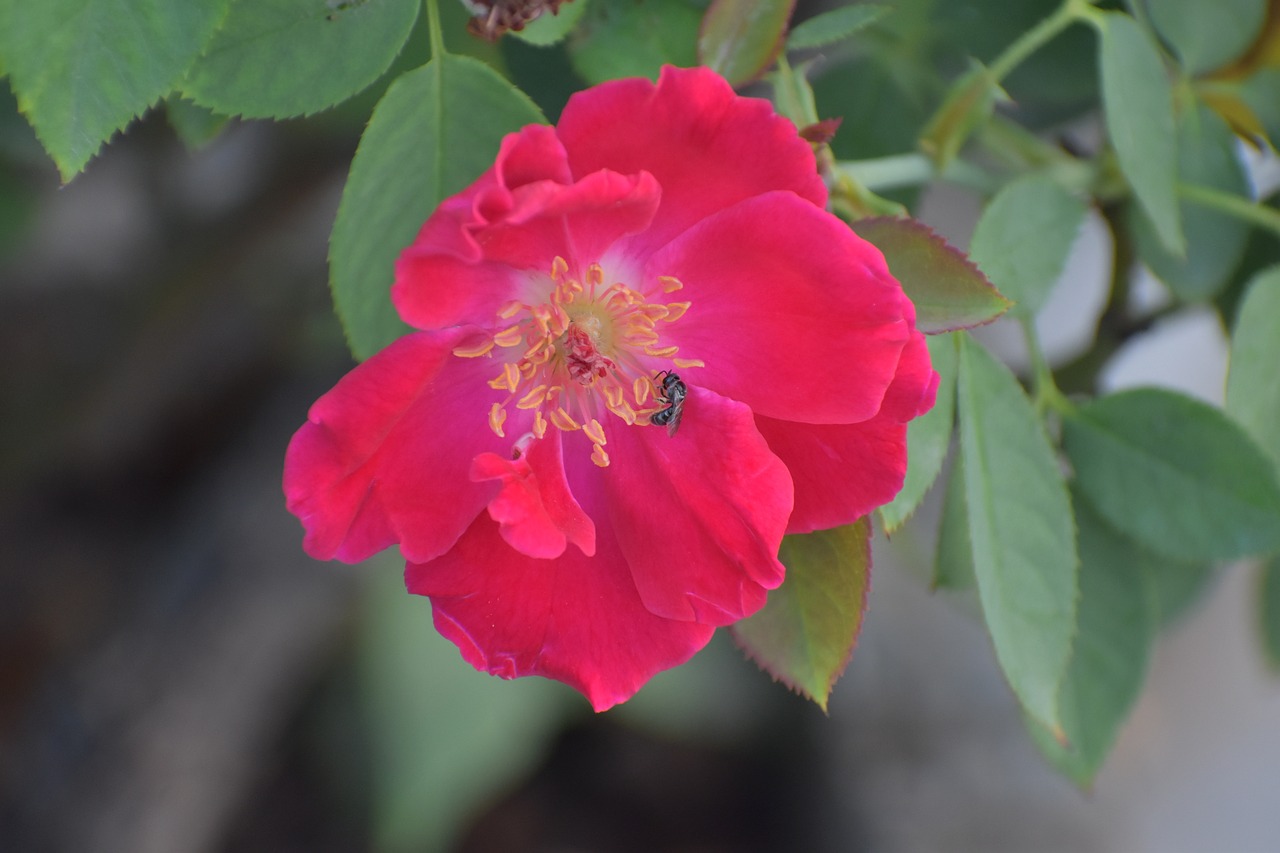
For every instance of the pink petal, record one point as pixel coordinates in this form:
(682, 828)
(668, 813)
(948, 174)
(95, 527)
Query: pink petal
(793, 313)
(915, 385)
(482, 249)
(699, 515)
(841, 471)
(575, 619)
(537, 514)
(385, 455)
(708, 147)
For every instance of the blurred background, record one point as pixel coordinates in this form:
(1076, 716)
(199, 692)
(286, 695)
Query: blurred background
(176, 675)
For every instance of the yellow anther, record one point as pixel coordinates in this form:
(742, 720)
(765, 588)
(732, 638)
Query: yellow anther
(534, 398)
(558, 268)
(563, 420)
(682, 363)
(623, 411)
(560, 321)
(511, 309)
(613, 395)
(497, 417)
(474, 350)
(662, 352)
(599, 457)
(640, 389)
(595, 432)
(595, 275)
(509, 379)
(675, 310)
(539, 425)
(669, 283)
(509, 337)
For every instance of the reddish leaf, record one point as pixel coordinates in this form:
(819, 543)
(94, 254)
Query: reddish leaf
(740, 39)
(949, 292)
(807, 631)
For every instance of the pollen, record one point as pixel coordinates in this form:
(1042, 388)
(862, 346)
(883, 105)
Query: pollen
(588, 348)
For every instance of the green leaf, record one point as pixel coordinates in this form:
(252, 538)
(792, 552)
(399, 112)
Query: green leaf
(548, 29)
(1253, 395)
(953, 563)
(433, 133)
(278, 58)
(740, 39)
(1116, 625)
(83, 69)
(1207, 35)
(969, 103)
(1024, 550)
(445, 738)
(1138, 105)
(928, 437)
(806, 632)
(1215, 241)
(195, 125)
(949, 292)
(1174, 474)
(1269, 611)
(834, 26)
(635, 39)
(1024, 237)
(1177, 585)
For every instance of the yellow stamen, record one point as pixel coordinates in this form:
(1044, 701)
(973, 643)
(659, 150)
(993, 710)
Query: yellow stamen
(497, 417)
(599, 457)
(595, 432)
(682, 363)
(509, 337)
(474, 350)
(563, 420)
(669, 283)
(675, 310)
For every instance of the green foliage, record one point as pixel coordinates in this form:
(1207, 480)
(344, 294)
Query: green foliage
(1024, 236)
(548, 29)
(1138, 106)
(740, 39)
(1253, 395)
(277, 58)
(1020, 530)
(1116, 617)
(635, 39)
(83, 69)
(927, 438)
(949, 292)
(432, 134)
(1206, 36)
(953, 562)
(1215, 241)
(806, 632)
(834, 25)
(1175, 475)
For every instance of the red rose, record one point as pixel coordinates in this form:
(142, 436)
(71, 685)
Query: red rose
(663, 254)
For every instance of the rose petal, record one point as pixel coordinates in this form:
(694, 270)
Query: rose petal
(535, 510)
(841, 471)
(384, 456)
(576, 619)
(793, 313)
(707, 147)
(914, 386)
(699, 515)
(517, 244)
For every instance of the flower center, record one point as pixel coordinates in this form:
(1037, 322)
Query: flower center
(583, 352)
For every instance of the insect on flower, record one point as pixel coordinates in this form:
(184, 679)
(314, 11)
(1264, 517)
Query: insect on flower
(672, 393)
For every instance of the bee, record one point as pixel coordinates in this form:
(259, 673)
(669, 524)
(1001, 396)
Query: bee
(671, 393)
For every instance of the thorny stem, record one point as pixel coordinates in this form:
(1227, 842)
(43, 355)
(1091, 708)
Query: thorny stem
(1047, 394)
